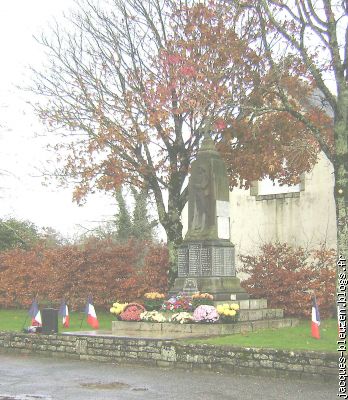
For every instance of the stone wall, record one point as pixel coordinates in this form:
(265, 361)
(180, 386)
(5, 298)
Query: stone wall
(268, 362)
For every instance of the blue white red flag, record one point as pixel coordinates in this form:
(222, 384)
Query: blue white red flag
(35, 314)
(92, 319)
(64, 313)
(315, 319)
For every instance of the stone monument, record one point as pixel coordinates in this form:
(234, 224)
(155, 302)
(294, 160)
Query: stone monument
(206, 259)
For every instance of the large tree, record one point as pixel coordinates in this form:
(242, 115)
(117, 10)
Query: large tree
(135, 84)
(294, 103)
(314, 33)
(130, 104)
(101, 87)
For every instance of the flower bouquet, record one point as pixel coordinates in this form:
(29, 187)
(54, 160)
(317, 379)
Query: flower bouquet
(117, 309)
(132, 312)
(205, 313)
(178, 303)
(153, 301)
(181, 318)
(152, 316)
(228, 312)
(200, 299)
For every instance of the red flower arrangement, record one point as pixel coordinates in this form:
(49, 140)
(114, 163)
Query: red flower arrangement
(132, 312)
(178, 303)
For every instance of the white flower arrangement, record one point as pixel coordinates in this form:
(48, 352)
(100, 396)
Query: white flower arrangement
(152, 316)
(181, 317)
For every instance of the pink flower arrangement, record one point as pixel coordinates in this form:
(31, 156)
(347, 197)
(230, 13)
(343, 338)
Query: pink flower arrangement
(205, 314)
(132, 312)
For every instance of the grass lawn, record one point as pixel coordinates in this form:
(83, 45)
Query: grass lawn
(14, 320)
(296, 338)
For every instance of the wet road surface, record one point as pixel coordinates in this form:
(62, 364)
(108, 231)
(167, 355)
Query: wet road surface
(25, 377)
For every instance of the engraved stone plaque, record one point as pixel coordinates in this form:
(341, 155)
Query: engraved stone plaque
(194, 251)
(217, 261)
(229, 268)
(183, 262)
(206, 261)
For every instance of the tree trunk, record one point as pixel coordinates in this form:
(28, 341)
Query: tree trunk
(341, 172)
(173, 229)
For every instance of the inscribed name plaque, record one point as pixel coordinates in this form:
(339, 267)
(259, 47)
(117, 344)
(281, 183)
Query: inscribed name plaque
(200, 259)
(183, 261)
(223, 261)
(217, 261)
(206, 261)
(229, 267)
(194, 251)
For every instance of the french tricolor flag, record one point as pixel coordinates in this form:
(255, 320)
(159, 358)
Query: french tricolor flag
(315, 319)
(64, 313)
(35, 314)
(92, 319)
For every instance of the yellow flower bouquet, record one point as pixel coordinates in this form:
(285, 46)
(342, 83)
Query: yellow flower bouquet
(228, 312)
(117, 308)
(153, 301)
(202, 299)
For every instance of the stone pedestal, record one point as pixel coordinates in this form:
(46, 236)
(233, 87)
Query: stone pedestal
(222, 288)
(208, 266)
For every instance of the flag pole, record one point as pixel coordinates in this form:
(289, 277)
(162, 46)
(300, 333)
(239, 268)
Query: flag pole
(26, 315)
(25, 321)
(82, 319)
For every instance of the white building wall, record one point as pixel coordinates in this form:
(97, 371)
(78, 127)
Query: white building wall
(306, 218)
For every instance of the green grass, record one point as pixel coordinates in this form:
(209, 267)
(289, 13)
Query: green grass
(14, 320)
(295, 338)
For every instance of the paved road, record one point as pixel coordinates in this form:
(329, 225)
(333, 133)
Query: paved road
(35, 378)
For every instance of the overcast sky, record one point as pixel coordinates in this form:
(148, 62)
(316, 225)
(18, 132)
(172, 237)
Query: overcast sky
(22, 136)
(22, 152)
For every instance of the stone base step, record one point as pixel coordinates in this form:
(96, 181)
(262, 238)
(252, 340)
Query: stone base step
(261, 314)
(250, 304)
(123, 327)
(254, 310)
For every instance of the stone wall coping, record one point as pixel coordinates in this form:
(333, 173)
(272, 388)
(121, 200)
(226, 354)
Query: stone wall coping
(297, 364)
(176, 342)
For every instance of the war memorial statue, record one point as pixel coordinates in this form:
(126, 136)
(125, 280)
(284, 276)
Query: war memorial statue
(206, 259)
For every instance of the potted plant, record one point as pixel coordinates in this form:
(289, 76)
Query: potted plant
(178, 303)
(228, 312)
(181, 318)
(152, 316)
(132, 312)
(206, 314)
(153, 301)
(117, 308)
(200, 299)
